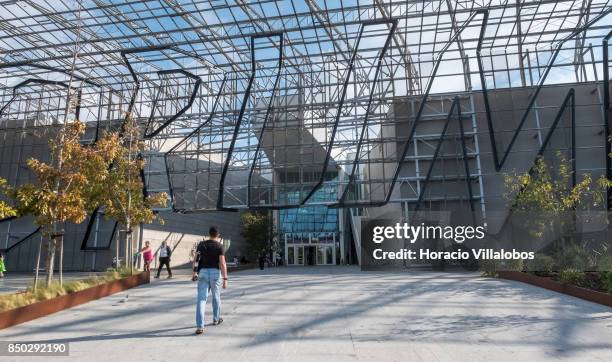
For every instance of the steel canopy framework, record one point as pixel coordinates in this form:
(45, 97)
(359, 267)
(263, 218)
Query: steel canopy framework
(283, 104)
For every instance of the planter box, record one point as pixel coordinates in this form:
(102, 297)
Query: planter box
(40, 309)
(548, 283)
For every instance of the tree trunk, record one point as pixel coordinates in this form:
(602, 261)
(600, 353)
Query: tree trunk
(131, 252)
(117, 248)
(127, 249)
(38, 264)
(50, 261)
(61, 259)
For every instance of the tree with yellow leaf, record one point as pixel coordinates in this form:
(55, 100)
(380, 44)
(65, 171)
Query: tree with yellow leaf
(124, 199)
(67, 187)
(549, 194)
(6, 210)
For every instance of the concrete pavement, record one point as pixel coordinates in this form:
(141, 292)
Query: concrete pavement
(334, 313)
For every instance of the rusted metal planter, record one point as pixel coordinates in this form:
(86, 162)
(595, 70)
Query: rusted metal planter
(40, 309)
(548, 283)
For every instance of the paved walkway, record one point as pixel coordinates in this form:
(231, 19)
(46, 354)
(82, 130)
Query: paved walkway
(338, 314)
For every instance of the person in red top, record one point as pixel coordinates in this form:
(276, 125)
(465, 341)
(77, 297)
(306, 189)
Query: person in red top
(147, 255)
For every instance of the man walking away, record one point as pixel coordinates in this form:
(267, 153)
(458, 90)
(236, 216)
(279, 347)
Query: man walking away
(164, 259)
(210, 271)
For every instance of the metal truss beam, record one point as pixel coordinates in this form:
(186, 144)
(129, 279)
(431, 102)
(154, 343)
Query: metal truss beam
(184, 140)
(456, 111)
(499, 163)
(196, 88)
(265, 122)
(337, 118)
(568, 102)
(90, 224)
(607, 112)
(22, 240)
(406, 143)
(243, 106)
(364, 126)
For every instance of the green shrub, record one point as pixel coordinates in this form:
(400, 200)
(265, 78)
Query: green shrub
(605, 263)
(541, 263)
(572, 277)
(11, 301)
(76, 285)
(572, 257)
(489, 268)
(513, 264)
(606, 281)
(121, 272)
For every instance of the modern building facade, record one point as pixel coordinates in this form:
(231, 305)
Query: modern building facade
(322, 113)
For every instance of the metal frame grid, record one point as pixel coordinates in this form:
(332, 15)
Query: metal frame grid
(265, 104)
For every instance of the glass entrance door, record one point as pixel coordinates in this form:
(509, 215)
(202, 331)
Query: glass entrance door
(295, 255)
(325, 255)
(308, 254)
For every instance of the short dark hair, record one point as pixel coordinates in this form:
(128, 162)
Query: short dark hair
(213, 231)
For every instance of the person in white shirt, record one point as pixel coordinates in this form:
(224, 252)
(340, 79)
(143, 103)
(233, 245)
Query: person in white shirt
(164, 259)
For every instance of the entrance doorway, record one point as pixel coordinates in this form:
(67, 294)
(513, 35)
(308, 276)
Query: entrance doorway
(311, 253)
(318, 254)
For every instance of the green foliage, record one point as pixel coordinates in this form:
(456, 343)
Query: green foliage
(67, 187)
(541, 263)
(63, 190)
(489, 268)
(76, 285)
(492, 267)
(6, 210)
(514, 264)
(605, 263)
(571, 257)
(543, 190)
(123, 198)
(572, 277)
(606, 281)
(55, 289)
(255, 228)
(121, 272)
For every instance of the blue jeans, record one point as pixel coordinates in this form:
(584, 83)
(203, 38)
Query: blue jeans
(208, 278)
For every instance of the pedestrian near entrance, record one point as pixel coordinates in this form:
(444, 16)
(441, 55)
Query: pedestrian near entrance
(262, 260)
(2, 267)
(147, 255)
(210, 271)
(164, 259)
